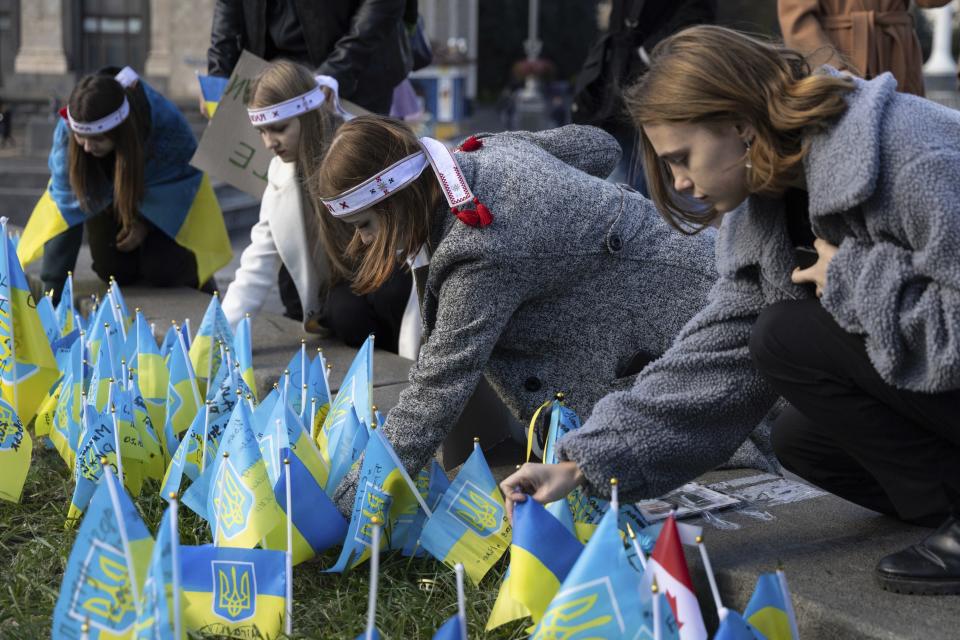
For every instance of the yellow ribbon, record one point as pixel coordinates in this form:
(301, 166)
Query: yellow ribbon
(533, 423)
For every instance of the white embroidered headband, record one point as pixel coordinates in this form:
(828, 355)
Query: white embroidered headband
(400, 174)
(126, 78)
(300, 104)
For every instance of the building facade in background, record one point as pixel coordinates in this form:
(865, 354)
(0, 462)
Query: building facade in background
(46, 45)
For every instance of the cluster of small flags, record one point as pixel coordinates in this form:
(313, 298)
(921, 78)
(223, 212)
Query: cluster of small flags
(121, 409)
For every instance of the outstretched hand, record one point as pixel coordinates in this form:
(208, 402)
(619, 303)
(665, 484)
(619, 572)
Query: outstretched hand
(543, 482)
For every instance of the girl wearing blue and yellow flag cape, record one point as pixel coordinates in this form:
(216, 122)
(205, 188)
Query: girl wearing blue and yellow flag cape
(120, 165)
(297, 115)
(539, 274)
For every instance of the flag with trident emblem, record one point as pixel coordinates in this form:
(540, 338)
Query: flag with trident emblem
(106, 570)
(469, 526)
(600, 598)
(235, 593)
(384, 490)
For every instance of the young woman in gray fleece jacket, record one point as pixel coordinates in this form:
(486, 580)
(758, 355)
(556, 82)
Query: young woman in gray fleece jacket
(863, 340)
(559, 289)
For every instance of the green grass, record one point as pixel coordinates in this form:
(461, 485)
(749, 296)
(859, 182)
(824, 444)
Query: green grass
(415, 595)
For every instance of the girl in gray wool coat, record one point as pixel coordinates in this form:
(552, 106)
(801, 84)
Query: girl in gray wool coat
(544, 278)
(863, 339)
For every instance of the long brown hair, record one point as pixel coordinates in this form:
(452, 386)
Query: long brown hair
(709, 74)
(281, 81)
(97, 96)
(362, 148)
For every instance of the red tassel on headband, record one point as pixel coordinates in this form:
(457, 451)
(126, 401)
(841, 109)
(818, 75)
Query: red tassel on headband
(478, 217)
(63, 112)
(471, 144)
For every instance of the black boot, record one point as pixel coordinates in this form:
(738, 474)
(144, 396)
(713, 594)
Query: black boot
(928, 568)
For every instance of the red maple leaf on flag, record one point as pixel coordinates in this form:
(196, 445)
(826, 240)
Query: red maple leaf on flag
(672, 601)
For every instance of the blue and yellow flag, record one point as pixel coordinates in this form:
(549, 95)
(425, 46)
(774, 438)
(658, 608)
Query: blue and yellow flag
(356, 389)
(318, 394)
(65, 314)
(432, 483)
(65, 422)
(27, 367)
(470, 525)
(452, 629)
(241, 507)
(48, 318)
(169, 340)
(120, 311)
(767, 611)
(200, 443)
(382, 491)
(159, 597)
(104, 341)
(152, 374)
(542, 554)
(178, 199)
(106, 569)
(154, 464)
(237, 593)
(348, 439)
(204, 352)
(212, 88)
(734, 627)
(184, 400)
(98, 387)
(103, 432)
(16, 447)
(243, 352)
(317, 524)
(600, 597)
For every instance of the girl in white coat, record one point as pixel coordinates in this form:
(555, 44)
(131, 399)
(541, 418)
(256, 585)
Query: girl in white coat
(297, 115)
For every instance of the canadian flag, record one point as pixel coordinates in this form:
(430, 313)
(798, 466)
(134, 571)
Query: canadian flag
(673, 579)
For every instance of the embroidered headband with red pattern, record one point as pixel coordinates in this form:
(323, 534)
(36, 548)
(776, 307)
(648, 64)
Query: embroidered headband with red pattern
(299, 105)
(126, 78)
(401, 173)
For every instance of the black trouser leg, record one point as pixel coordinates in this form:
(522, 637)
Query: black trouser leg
(809, 451)
(907, 442)
(59, 257)
(289, 295)
(108, 261)
(164, 263)
(352, 318)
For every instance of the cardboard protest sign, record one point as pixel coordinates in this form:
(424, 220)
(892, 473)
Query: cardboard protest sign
(231, 149)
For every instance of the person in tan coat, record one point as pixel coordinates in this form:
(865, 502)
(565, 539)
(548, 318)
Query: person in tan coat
(865, 37)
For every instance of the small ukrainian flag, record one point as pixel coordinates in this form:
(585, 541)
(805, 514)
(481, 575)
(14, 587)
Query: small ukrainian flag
(470, 525)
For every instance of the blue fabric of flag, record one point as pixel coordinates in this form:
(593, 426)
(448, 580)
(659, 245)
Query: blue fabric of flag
(99, 584)
(452, 629)
(600, 597)
(155, 620)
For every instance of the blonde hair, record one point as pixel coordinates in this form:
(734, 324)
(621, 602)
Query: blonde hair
(281, 81)
(709, 74)
(362, 148)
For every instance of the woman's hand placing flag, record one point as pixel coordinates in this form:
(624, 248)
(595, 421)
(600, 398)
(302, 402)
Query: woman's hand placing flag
(543, 482)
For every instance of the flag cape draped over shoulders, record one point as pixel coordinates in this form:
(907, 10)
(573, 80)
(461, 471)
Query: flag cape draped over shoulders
(178, 199)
